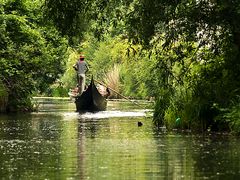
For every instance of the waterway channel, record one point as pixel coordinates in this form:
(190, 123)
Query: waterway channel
(58, 143)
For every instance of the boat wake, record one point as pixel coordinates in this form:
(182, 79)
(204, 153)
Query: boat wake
(100, 114)
(111, 114)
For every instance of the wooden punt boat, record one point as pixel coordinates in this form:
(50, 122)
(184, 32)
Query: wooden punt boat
(90, 100)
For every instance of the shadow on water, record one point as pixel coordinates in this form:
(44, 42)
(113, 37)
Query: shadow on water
(58, 143)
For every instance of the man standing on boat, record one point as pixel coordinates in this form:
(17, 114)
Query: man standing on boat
(82, 68)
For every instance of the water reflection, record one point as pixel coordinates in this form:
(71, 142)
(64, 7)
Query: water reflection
(61, 144)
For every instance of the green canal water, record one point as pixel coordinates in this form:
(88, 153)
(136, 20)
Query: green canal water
(58, 143)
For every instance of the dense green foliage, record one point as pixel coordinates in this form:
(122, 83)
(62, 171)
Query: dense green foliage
(124, 68)
(194, 51)
(183, 53)
(32, 53)
(198, 63)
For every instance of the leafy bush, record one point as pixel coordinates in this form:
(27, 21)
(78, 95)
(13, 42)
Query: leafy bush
(232, 116)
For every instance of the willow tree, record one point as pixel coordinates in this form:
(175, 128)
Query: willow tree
(212, 26)
(205, 31)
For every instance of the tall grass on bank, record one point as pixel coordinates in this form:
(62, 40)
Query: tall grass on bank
(112, 80)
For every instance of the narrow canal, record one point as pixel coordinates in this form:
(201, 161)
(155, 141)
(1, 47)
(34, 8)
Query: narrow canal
(58, 143)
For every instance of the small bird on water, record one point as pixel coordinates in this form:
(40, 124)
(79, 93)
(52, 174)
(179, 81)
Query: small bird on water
(140, 123)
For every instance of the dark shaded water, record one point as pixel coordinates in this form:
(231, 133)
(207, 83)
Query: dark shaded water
(57, 143)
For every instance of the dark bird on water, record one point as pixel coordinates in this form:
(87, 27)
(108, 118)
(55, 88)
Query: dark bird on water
(140, 123)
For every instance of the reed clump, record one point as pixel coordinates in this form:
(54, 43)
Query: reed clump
(112, 80)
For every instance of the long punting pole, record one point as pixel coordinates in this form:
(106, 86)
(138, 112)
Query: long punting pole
(118, 93)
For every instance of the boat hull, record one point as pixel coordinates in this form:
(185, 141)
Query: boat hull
(91, 100)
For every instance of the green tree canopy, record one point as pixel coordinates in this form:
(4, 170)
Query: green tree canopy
(31, 54)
